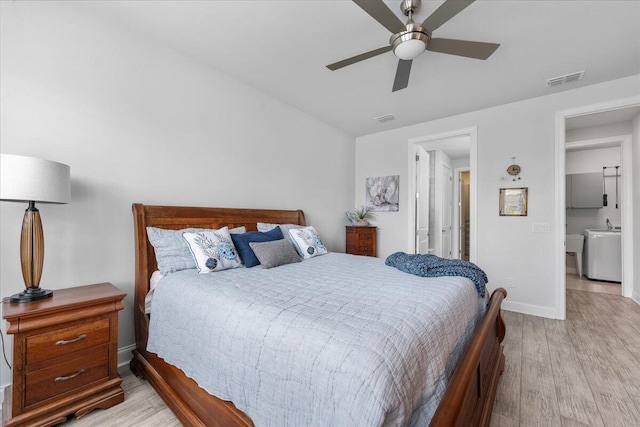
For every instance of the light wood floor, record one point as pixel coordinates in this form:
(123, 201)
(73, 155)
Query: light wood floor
(583, 284)
(582, 371)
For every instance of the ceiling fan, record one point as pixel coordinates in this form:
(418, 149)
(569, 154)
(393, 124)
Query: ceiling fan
(409, 40)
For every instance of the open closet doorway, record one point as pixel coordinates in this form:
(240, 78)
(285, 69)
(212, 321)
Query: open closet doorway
(436, 163)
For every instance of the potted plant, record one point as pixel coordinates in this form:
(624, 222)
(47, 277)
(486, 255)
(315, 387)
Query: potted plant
(360, 216)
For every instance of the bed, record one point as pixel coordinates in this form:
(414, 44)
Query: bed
(468, 399)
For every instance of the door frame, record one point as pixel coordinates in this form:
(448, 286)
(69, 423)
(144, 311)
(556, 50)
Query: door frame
(418, 197)
(560, 213)
(472, 133)
(457, 207)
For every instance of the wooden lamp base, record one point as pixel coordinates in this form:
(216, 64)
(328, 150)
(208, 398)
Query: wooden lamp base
(31, 257)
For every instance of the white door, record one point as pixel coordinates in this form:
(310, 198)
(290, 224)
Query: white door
(422, 201)
(447, 210)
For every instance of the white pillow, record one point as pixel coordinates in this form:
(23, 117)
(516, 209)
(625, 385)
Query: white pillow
(212, 250)
(307, 242)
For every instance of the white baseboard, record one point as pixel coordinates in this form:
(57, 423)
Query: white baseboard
(636, 298)
(124, 355)
(534, 310)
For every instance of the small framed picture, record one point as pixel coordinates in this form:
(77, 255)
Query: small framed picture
(513, 201)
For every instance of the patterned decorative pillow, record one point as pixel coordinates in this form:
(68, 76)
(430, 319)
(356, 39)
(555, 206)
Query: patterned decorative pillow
(307, 242)
(265, 226)
(212, 250)
(273, 254)
(172, 251)
(242, 241)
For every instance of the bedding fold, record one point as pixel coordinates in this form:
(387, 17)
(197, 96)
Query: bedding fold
(434, 266)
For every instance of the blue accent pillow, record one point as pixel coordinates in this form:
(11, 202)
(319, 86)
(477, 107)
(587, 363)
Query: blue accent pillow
(241, 242)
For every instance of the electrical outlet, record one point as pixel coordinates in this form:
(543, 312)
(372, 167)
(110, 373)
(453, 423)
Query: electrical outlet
(511, 282)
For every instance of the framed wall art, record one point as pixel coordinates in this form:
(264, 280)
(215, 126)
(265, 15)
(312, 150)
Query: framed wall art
(383, 193)
(513, 201)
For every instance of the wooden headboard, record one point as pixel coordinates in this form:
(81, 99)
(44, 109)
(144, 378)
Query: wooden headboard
(178, 217)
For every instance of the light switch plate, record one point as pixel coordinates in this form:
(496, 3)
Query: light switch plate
(540, 227)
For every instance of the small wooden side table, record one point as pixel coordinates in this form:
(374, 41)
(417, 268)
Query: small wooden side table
(65, 355)
(361, 240)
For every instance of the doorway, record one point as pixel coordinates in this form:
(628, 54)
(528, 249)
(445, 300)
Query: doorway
(594, 201)
(595, 114)
(464, 213)
(448, 153)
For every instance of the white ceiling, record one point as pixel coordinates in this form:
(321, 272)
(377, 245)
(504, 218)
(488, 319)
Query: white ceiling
(282, 47)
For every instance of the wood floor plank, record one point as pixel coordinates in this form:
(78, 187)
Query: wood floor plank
(628, 334)
(575, 399)
(556, 330)
(568, 422)
(627, 367)
(614, 404)
(534, 339)
(538, 399)
(514, 320)
(498, 420)
(508, 394)
(587, 347)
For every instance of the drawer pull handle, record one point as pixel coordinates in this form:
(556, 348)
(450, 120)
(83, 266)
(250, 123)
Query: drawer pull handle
(60, 379)
(63, 342)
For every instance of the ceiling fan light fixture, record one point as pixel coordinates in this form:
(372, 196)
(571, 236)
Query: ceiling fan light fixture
(411, 43)
(409, 49)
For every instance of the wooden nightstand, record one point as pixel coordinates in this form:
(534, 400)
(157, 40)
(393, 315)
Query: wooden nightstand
(361, 240)
(65, 355)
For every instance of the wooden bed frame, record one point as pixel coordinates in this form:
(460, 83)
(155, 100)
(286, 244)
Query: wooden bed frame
(467, 401)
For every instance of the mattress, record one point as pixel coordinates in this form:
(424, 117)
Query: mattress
(336, 340)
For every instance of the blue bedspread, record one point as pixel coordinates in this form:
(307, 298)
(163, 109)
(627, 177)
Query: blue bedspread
(434, 266)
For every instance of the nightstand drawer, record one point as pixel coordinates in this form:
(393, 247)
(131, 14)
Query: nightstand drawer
(66, 340)
(66, 376)
(361, 240)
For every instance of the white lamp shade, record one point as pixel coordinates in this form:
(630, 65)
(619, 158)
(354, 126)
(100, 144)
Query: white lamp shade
(25, 179)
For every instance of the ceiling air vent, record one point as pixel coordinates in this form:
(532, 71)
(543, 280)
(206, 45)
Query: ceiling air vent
(386, 118)
(567, 78)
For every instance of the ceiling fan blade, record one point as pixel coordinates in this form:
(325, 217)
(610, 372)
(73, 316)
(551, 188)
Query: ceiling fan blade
(402, 75)
(358, 58)
(381, 13)
(446, 11)
(477, 50)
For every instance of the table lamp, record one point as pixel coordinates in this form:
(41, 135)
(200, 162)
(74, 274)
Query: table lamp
(31, 180)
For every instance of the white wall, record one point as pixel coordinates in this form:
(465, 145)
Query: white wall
(506, 245)
(596, 132)
(585, 161)
(636, 204)
(138, 122)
